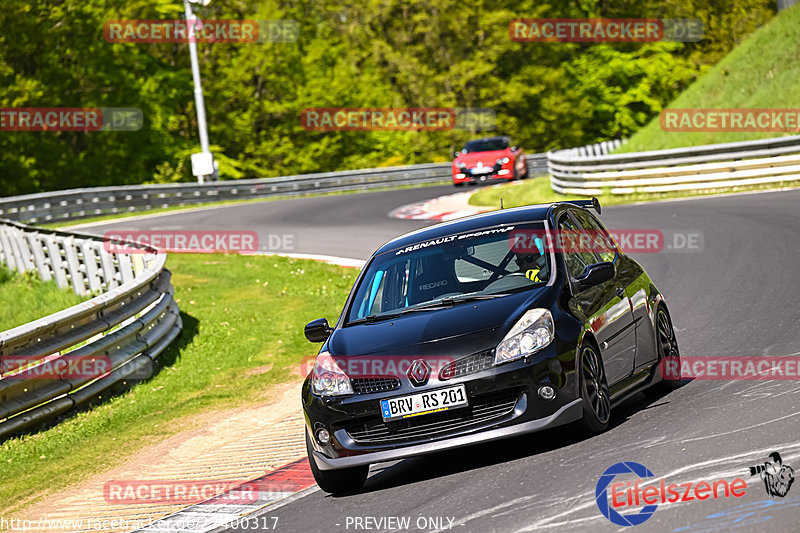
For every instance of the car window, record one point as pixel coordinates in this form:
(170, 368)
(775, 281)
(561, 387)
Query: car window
(492, 253)
(576, 256)
(483, 262)
(603, 244)
(486, 145)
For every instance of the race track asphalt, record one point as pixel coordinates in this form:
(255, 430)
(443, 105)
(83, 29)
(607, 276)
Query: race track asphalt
(737, 294)
(346, 225)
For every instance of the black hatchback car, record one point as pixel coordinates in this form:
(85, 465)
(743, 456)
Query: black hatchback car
(478, 329)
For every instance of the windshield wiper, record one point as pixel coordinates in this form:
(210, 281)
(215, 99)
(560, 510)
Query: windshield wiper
(448, 301)
(373, 318)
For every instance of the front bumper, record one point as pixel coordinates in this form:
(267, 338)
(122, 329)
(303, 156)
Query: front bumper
(567, 413)
(465, 175)
(503, 402)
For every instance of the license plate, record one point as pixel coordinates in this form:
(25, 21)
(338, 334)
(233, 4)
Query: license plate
(423, 403)
(481, 170)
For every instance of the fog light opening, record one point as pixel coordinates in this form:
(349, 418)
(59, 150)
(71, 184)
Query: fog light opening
(547, 393)
(323, 437)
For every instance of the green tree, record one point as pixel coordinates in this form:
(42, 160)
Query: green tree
(381, 53)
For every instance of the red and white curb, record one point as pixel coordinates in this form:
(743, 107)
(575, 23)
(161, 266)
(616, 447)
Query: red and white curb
(278, 487)
(440, 209)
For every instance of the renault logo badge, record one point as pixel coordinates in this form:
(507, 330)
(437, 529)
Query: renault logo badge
(418, 372)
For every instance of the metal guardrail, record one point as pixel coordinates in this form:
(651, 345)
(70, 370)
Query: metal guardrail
(127, 325)
(94, 201)
(82, 203)
(592, 170)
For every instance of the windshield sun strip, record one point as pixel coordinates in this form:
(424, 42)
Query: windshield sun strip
(465, 235)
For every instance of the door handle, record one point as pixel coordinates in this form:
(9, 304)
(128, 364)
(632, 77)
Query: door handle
(620, 292)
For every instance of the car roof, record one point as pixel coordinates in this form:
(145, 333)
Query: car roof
(517, 215)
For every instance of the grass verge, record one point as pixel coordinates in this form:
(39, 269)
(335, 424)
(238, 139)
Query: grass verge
(243, 319)
(762, 72)
(25, 297)
(537, 191)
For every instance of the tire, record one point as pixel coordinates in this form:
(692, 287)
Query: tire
(668, 352)
(339, 481)
(594, 391)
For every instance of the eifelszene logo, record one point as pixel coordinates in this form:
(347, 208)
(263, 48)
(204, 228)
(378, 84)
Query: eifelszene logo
(601, 494)
(625, 495)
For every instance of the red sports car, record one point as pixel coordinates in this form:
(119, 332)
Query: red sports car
(489, 159)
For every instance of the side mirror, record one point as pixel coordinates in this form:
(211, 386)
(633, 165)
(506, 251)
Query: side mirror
(514, 148)
(457, 153)
(595, 275)
(318, 330)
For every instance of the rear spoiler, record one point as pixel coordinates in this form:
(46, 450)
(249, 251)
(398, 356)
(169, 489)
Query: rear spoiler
(594, 203)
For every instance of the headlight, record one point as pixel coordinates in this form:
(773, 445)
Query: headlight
(530, 334)
(502, 161)
(461, 165)
(327, 379)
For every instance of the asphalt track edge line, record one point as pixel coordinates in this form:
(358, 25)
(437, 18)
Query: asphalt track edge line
(232, 203)
(425, 210)
(273, 505)
(708, 196)
(197, 509)
(331, 259)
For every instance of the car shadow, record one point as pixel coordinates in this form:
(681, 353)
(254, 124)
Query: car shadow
(450, 462)
(166, 358)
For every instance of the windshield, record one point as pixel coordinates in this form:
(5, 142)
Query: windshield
(446, 270)
(485, 145)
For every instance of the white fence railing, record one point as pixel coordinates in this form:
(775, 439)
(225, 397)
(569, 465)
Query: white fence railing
(592, 170)
(119, 332)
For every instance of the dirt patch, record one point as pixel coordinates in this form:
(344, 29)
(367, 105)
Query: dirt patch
(258, 370)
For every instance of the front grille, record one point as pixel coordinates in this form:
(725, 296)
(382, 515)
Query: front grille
(467, 365)
(369, 385)
(482, 409)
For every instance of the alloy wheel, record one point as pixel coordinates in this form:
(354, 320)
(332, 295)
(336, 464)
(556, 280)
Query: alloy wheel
(594, 380)
(666, 336)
